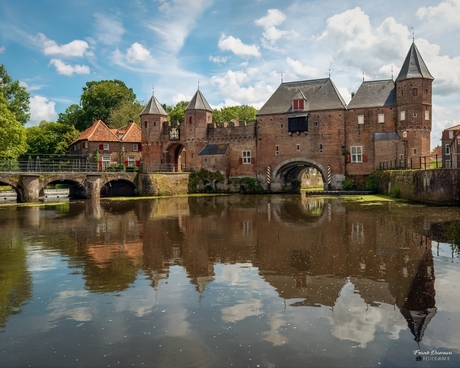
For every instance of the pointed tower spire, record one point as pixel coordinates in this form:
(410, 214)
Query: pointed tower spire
(153, 107)
(198, 102)
(414, 66)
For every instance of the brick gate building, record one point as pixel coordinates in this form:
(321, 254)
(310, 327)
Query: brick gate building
(303, 124)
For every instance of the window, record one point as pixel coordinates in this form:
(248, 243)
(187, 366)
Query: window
(135, 147)
(451, 134)
(298, 124)
(356, 154)
(427, 114)
(321, 148)
(414, 92)
(381, 118)
(298, 147)
(403, 115)
(105, 161)
(145, 124)
(277, 150)
(360, 119)
(415, 151)
(131, 161)
(414, 114)
(282, 125)
(85, 144)
(447, 149)
(106, 146)
(447, 164)
(246, 157)
(190, 119)
(298, 104)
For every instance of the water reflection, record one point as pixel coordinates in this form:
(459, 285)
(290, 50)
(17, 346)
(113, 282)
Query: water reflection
(357, 274)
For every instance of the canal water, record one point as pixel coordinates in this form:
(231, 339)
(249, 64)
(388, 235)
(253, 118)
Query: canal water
(230, 281)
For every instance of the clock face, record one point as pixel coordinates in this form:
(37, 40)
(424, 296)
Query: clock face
(173, 134)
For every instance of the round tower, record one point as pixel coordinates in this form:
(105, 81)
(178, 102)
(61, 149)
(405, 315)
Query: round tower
(154, 122)
(194, 129)
(413, 99)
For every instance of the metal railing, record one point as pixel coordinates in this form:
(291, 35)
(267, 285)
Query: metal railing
(158, 167)
(419, 163)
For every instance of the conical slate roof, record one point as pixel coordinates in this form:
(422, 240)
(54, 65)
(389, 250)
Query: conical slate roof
(413, 66)
(198, 102)
(153, 108)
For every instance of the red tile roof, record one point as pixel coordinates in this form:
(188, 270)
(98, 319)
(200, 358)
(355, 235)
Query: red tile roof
(99, 132)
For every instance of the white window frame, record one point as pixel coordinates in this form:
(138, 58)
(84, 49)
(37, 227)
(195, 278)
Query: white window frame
(403, 115)
(447, 149)
(414, 114)
(106, 146)
(246, 155)
(131, 161)
(381, 118)
(360, 119)
(356, 153)
(105, 161)
(135, 147)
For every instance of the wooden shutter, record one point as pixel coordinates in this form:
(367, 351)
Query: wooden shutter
(241, 160)
(139, 147)
(252, 160)
(364, 158)
(348, 158)
(101, 146)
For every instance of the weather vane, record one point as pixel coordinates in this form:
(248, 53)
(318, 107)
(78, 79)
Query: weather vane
(413, 37)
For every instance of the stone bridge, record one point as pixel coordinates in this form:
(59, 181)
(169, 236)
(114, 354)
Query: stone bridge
(30, 186)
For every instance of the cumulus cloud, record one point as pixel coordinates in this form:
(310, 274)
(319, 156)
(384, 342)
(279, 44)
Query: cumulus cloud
(245, 86)
(76, 48)
(297, 69)
(137, 53)
(236, 46)
(41, 109)
(108, 29)
(271, 33)
(2, 49)
(67, 69)
(445, 13)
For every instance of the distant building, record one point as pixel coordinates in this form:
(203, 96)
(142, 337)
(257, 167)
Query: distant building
(112, 147)
(303, 124)
(450, 147)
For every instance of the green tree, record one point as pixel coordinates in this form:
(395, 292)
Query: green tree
(12, 133)
(99, 98)
(50, 138)
(17, 97)
(126, 111)
(177, 113)
(72, 116)
(241, 113)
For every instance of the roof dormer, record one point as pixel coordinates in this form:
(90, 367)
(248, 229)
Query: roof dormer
(298, 102)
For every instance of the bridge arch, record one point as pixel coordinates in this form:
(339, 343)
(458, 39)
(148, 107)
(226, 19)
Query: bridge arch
(76, 187)
(12, 184)
(291, 170)
(118, 188)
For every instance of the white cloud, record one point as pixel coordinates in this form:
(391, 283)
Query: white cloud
(445, 13)
(76, 48)
(273, 34)
(137, 53)
(296, 68)
(218, 59)
(247, 87)
(236, 46)
(66, 69)
(108, 29)
(177, 19)
(41, 109)
(2, 49)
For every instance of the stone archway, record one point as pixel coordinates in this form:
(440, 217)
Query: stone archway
(175, 156)
(287, 175)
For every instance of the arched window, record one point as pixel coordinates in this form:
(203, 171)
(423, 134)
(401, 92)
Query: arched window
(190, 119)
(145, 124)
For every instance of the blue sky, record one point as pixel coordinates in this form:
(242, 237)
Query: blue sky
(236, 50)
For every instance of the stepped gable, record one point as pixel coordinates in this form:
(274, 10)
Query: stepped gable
(414, 66)
(198, 102)
(321, 94)
(153, 107)
(98, 132)
(374, 94)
